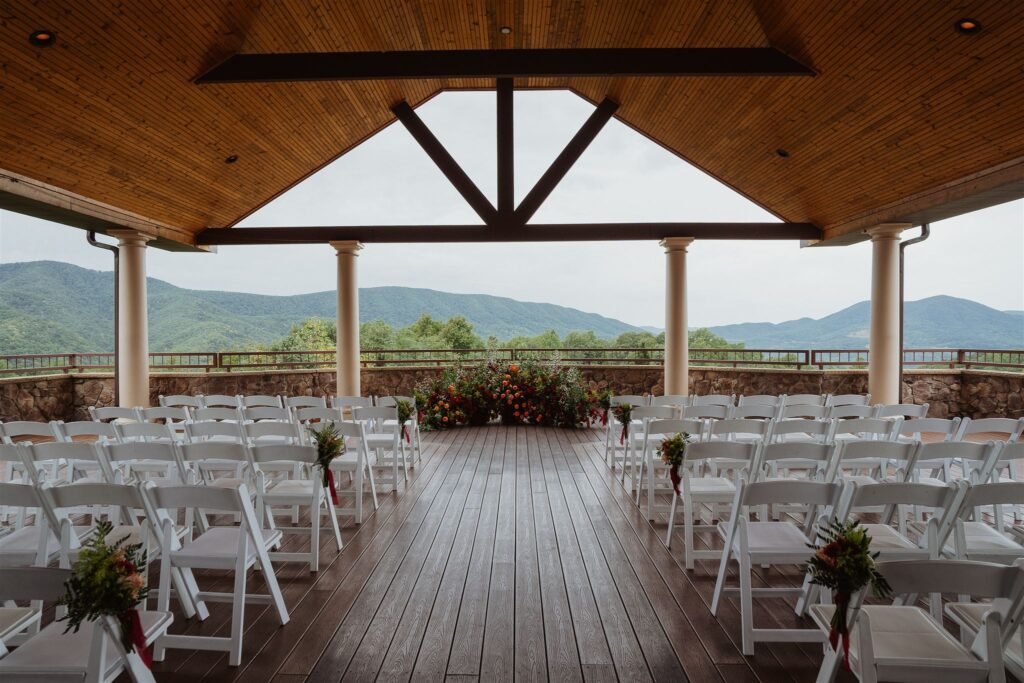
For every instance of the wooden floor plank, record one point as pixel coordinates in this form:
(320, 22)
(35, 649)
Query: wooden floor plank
(530, 650)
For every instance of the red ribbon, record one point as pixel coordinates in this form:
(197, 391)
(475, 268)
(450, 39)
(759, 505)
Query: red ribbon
(840, 629)
(133, 635)
(405, 434)
(622, 436)
(673, 473)
(331, 486)
(604, 417)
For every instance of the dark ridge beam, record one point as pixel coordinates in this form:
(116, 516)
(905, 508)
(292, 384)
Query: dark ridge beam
(445, 162)
(555, 232)
(561, 165)
(550, 63)
(506, 149)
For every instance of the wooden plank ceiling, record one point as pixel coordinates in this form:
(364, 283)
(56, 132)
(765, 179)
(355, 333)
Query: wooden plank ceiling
(903, 106)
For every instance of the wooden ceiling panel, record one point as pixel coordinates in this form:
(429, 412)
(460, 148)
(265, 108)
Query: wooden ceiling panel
(902, 104)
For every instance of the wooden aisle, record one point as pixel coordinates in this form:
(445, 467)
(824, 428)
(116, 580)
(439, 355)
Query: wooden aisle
(512, 553)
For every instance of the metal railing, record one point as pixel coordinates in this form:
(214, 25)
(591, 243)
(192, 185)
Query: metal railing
(226, 361)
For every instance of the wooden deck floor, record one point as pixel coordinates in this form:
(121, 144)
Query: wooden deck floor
(511, 554)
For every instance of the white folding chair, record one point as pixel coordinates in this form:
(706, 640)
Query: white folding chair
(266, 414)
(296, 402)
(678, 400)
(651, 466)
(236, 548)
(935, 427)
(311, 416)
(383, 440)
(806, 411)
(850, 410)
(634, 446)
(755, 411)
(761, 399)
(26, 545)
(740, 429)
(975, 539)
(988, 427)
(261, 401)
(863, 428)
(82, 460)
(616, 450)
(272, 432)
(216, 414)
(85, 431)
(145, 461)
(113, 414)
(713, 490)
(14, 472)
(848, 400)
(768, 543)
(801, 430)
(174, 417)
(306, 491)
(412, 425)
(346, 404)
(129, 432)
(181, 401)
(356, 463)
(908, 411)
(93, 653)
(795, 460)
(220, 464)
(902, 642)
(220, 401)
(706, 411)
(873, 459)
(229, 432)
(933, 464)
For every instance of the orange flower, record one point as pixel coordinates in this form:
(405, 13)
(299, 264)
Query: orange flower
(447, 406)
(504, 382)
(513, 368)
(516, 413)
(510, 401)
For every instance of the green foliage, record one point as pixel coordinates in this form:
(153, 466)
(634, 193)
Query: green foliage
(458, 333)
(106, 581)
(329, 445)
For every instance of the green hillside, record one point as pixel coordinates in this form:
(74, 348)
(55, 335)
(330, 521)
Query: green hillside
(49, 307)
(938, 321)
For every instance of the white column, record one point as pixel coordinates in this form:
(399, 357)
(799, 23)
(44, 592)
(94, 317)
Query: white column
(348, 318)
(133, 323)
(677, 343)
(884, 347)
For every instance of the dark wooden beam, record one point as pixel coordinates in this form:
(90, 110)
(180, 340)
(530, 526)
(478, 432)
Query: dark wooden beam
(561, 165)
(349, 66)
(556, 232)
(506, 149)
(445, 162)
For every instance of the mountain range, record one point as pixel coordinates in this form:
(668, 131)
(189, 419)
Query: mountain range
(51, 307)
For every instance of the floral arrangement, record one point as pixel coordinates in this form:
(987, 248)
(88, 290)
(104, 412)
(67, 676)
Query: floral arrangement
(517, 393)
(329, 445)
(624, 415)
(404, 413)
(106, 581)
(843, 562)
(604, 402)
(672, 450)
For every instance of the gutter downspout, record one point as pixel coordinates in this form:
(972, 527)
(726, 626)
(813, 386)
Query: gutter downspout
(91, 238)
(925, 232)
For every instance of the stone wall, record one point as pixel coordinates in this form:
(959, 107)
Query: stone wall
(973, 393)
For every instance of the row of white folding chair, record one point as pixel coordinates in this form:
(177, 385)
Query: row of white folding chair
(766, 542)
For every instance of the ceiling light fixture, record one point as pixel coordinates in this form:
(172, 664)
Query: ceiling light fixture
(782, 153)
(505, 30)
(968, 26)
(42, 38)
(231, 159)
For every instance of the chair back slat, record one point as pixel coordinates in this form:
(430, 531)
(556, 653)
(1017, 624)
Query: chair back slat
(33, 583)
(284, 453)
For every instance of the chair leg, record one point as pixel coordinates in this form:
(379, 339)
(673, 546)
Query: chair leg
(315, 519)
(332, 514)
(671, 521)
(373, 487)
(688, 532)
(238, 615)
(829, 666)
(746, 604)
(723, 571)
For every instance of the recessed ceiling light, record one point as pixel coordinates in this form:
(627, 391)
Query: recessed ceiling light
(231, 159)
(42, 38)
(505, 30)
(968, 26)
(782, 153)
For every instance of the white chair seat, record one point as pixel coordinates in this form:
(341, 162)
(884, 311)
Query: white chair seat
(773, 537)
(900, 632)
(219, 546)
(53, 655)
(981, 537)
(300, 489)
(972, 615)
(349, 460)
(379, 440)
(931, 481)
(884, 537)
(15, 619)
(708, 485)
(19, 548)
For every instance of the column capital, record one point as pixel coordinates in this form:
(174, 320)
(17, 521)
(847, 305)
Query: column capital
(347, 246)
(888, 231)
(676, 243)
(130, 238)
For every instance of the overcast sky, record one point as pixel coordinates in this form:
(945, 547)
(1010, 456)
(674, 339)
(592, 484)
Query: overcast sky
(621, 177)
